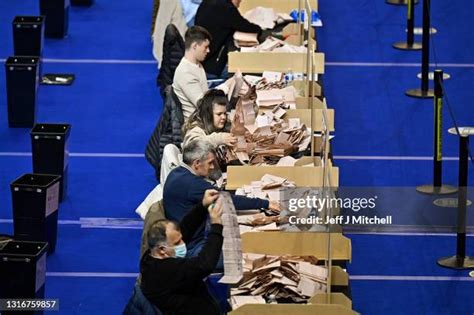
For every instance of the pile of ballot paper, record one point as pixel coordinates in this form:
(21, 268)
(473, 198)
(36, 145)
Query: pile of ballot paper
(265, 138)
(269, 187)
(258, 222)
(280, 278)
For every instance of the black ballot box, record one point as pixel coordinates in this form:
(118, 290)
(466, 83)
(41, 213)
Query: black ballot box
(35, 201)
(22, 271)
(82, 2)
(22, 77)
(50, 148)
(28, 35)
(57, 17)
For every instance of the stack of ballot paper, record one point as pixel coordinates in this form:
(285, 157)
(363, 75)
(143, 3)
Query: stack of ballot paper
(287, 278)
(242, 39)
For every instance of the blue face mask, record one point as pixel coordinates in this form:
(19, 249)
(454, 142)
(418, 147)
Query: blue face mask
(180, 251)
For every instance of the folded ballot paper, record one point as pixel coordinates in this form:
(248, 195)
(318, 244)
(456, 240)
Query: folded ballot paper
(285, 278)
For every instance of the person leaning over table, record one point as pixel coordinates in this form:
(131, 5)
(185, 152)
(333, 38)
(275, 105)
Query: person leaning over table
(186, 185)
(174, 283)
(222, 19)
(209, 120)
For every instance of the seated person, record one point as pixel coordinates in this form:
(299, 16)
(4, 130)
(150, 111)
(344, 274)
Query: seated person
(221, 27)
(189, 81)
(186, 184)
(175, 283)
(209, 120)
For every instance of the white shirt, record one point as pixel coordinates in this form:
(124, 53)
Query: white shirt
(189, 84)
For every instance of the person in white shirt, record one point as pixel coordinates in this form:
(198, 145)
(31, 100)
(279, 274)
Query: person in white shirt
(190, 82)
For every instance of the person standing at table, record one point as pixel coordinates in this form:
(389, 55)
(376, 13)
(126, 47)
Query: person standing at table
(222, 19)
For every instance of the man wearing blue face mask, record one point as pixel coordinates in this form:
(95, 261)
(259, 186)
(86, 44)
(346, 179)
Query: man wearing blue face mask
(173, 283)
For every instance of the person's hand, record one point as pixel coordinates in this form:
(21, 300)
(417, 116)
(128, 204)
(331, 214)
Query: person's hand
(210, 196)
(274, 206)
(230, 140)
(215, 212)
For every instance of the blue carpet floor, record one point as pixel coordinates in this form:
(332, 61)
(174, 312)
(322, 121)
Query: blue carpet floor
(114, 105)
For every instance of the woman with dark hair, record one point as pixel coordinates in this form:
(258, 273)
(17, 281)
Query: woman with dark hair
(209, 120)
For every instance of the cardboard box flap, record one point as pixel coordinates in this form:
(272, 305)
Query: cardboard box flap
(300, 86)
(303, 103)
(293, 309)
(336, 298)
(297, 243)
(257, 62)
(305, 116)
(302, 176)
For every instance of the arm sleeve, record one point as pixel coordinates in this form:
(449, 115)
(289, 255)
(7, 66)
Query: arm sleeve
(216, 138)
(198, 187)
(191, 88)
(202, 265)
(192, 221)
(237, 22)
(245, 203)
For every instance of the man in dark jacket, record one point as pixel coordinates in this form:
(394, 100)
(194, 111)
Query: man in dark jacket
(221, 18)
(171, 281)
(186, 184)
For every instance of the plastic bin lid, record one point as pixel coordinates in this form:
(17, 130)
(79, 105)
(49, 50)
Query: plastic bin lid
(20, 19)
(50, 129)
(35, 180)
(25, 249)
(22, 60)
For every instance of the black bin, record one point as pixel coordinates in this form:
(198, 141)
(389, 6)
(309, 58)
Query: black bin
(82, 2)
(22, 271)
(35, 199)
(22, 76)
(50, 147)
(57, 17)
(28, 34)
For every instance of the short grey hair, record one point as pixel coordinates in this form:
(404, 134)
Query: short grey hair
(156, 235)
(197, 150)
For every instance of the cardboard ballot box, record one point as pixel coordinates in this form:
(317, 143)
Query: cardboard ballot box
(334, 298)
(307, 172)
(302, 244)
(299, 244)
(293, 309)
(258, 62)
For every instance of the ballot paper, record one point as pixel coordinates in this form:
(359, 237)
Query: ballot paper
(286, 161)
(280, 277)
(294, 123)
(232, 246)
(272, 76)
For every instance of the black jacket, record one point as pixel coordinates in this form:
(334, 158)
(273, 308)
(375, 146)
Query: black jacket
(173, 51)
(168, 130)
(176, 285)
(221, 18)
